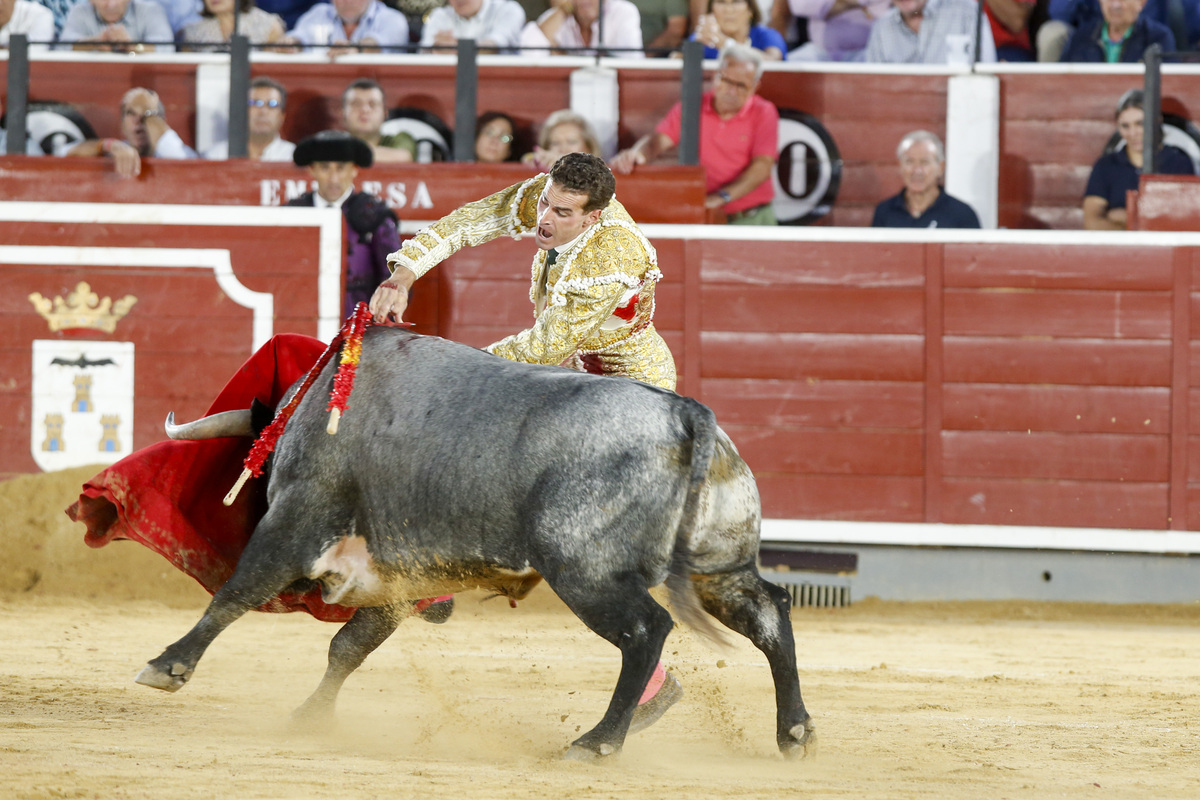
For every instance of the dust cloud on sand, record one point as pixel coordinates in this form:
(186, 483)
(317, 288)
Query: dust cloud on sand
(936, 701)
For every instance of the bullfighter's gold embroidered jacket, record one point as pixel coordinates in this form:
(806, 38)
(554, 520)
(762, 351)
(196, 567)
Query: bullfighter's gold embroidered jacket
(592, 308)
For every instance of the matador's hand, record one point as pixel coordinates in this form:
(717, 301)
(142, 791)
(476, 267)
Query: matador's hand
(391, 297)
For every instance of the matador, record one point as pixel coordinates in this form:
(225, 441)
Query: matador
(593, 276)
(593, 295)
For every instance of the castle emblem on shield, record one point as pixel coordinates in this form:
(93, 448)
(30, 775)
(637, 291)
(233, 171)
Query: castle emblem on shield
(82, 389)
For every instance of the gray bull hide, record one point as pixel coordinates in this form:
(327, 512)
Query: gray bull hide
(454, 469)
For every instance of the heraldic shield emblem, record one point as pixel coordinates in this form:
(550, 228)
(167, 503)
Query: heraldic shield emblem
(82, 402)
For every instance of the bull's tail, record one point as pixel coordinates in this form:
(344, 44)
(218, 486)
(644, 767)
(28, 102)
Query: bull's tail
(702, 423)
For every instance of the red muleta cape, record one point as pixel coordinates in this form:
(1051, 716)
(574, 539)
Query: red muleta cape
(168, 495)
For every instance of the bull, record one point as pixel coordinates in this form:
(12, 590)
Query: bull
(456, 469)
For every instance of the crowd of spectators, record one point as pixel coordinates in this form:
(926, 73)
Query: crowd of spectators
(735, 149)
(877, 31)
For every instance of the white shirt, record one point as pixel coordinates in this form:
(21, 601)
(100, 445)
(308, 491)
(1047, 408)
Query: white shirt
(893, 42)
(171, 146)
(32, 19)
(622, 29)
(321, 202)
(277, 150)
(498, 21)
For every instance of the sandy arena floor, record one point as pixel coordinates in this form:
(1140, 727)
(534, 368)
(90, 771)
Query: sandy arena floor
(923, 701)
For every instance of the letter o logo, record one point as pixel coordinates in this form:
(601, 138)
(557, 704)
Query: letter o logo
(808, 171)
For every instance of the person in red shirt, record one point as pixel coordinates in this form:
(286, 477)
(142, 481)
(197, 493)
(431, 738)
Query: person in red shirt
(739, 140)
(1010, 28)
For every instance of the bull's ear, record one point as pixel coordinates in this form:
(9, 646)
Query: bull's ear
(261, 415)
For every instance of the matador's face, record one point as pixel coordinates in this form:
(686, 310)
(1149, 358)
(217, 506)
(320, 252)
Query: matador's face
(561, 216)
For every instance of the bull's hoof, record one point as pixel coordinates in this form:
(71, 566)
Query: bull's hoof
(650, 711)
(312, 714)
(800, 742)
(171, 680)
(579, 752)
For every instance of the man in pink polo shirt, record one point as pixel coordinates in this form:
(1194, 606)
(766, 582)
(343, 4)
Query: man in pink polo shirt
(739, 140)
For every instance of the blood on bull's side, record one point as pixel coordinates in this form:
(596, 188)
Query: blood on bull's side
(456, 469)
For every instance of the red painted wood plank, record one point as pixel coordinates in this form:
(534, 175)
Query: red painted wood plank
(935, 376)
(1066, 409)
(1062, 456)
(812, 356)
(1104, 362)
(849, 497)
(816, 404)
(1065, 504)
(1027, 312)
(1038, 266)
(845, 264)
(1059, 140)
(845, 452)
(805, 309)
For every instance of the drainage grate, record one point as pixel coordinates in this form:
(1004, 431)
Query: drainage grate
(818, 596)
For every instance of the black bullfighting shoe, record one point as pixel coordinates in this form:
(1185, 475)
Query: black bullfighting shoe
(435, 609)
(662, 692)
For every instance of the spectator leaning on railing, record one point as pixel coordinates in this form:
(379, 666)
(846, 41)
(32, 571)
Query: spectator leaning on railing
(35, 21)
(493, 24)
(219, 18)
(145, 131)
(837, 29)
(929, 32)
(115, 24)
(737, 22)
(739, 140)
(366, 23)
(575, 24)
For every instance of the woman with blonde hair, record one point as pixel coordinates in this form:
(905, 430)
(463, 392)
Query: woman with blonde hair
(564, 132)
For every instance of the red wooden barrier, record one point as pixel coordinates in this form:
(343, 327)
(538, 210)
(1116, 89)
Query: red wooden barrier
(416, 191)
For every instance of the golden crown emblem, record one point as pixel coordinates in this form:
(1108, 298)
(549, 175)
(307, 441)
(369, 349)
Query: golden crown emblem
(82, 308)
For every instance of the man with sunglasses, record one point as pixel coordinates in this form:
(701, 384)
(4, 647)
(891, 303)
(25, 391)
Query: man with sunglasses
(268, 106)
(739, 140)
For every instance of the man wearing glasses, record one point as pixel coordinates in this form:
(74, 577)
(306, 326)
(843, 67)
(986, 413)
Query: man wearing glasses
(268, 106)
(144, 132)
(739, 140)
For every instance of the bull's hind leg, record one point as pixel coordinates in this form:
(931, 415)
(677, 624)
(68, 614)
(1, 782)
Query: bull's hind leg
(263, 571)
(622, 611)
(759, 611)
(357, 639)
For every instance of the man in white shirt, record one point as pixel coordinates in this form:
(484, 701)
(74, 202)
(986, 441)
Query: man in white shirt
(32, 19)
(268, 107)
(493, 24)
(114, 25)
(929, 32)
(145, 131)
(575, 24)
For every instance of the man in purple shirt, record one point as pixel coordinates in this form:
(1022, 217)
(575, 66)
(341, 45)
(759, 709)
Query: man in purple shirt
(333, 158)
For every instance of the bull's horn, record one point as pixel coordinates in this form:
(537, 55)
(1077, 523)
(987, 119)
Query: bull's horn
(227, 423)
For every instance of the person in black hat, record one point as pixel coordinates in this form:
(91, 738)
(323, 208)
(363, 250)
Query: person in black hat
(333, 159)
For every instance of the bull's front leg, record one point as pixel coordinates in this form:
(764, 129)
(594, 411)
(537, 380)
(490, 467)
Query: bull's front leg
(265, 568)
(357, 639)
(174, 667)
